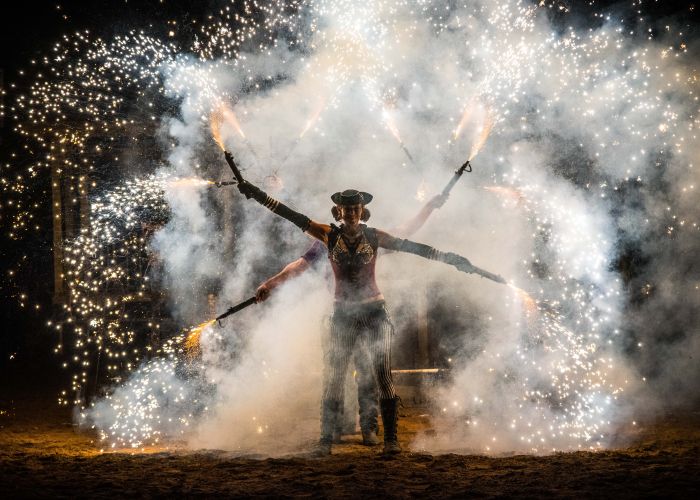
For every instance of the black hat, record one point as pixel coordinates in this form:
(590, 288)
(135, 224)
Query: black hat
(351, 197)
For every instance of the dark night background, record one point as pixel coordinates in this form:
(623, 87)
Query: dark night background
(28, 32)
(26, 344)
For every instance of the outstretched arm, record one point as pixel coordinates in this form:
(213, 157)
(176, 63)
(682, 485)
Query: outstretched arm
(312, 228)
(390, 242)
(299, 266)
(386, 240)
(290, 271)
(411, 226)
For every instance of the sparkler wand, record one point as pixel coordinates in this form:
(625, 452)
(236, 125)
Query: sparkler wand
(405, 150)
(222, 115)
(234, 167)
(238, 307)
(394, 130)
(463, 264)
(225, 183)
(484, 132)
(476, 147)
(192, 341)
(486, 274)
(466, 167)
(196, 181)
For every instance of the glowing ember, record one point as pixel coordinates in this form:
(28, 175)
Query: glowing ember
(528, 302)
(223, 115)
(391, 125)
(484, 132)
(192, 341)
(190, 181)
(215, 121)
(465, 117)
(505, 192)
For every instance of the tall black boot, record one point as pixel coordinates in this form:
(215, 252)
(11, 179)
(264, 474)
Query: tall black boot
(329, 416)
(390, 416)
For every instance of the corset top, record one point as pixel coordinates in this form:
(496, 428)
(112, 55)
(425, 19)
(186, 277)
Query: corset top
(353, 264)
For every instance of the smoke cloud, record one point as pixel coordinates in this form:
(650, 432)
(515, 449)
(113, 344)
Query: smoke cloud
(584, 196)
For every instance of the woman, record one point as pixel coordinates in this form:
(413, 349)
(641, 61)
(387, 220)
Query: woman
(367, 394)
(359, 310)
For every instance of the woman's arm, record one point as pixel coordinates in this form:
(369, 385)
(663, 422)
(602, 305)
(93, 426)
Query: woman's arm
(386, 240)
(414, 224)
(319, 231)
(290, 271)
(312, 228)
(390, 242)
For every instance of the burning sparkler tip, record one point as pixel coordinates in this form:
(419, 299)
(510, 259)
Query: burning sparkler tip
(192, 340)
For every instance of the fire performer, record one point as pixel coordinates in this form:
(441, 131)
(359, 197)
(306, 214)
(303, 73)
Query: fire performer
(366, 387)
(359, 313)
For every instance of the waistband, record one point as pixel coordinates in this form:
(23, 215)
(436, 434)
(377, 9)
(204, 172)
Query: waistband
(359, 307)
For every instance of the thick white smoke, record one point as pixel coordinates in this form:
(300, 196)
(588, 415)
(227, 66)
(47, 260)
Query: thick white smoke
(576, 116)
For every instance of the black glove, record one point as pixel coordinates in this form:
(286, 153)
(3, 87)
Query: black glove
(247, 189)
(461, 263)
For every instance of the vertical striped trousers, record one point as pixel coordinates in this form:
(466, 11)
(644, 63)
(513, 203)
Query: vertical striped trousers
(366, 327)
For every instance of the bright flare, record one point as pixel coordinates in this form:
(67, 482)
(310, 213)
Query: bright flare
(192, 341)
(484, 132)
(223, 115)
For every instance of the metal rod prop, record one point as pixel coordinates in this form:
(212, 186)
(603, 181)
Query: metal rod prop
(405, 150)
(485, 274)
(467, 167)
(225, 183)
(234, 168)
(237, 307)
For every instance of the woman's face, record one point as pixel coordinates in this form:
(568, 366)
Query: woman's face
(351, 215)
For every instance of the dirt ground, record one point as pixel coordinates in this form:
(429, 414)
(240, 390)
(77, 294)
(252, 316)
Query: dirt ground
(42, 455)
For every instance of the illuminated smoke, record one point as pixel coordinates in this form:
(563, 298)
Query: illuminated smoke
(589, 141)
(314, 117)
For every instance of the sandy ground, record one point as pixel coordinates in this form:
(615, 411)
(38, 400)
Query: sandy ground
(42, 455)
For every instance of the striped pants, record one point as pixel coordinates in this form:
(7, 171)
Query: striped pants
(366, 327)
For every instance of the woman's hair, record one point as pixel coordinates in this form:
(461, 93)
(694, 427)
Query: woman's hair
(335, 211)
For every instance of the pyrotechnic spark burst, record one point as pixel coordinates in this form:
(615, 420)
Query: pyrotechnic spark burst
(483, 132)
(93, 100)
(194, 335)
(320, 106)
(107, 271)
(224, 115)
(569, 325)
(152, 408)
